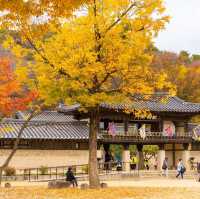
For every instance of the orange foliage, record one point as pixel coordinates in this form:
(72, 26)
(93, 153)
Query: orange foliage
(12, 96)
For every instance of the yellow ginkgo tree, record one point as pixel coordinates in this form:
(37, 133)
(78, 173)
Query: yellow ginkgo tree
(99, 55)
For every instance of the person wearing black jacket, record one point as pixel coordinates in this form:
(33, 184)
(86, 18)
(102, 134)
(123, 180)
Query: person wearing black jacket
(71, 178)
(198, 170)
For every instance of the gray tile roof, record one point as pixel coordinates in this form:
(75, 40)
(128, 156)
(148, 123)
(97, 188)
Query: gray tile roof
(171, 104)
(45, 130)
(53, 116)
(45, 116)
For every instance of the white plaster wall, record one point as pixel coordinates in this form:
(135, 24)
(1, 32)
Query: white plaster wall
(178, 155)
(50, 158)
(195, 154)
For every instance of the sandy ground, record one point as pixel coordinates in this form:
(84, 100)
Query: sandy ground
(163, 183)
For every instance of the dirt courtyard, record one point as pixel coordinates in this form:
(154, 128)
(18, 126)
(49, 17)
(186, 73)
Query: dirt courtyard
(163, 183)
(125, 189)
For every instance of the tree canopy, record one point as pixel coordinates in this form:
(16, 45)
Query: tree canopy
(98, 57)
(20, 13)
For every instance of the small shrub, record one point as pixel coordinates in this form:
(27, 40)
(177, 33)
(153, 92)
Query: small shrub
(26, 171)
(85, 169)
(7, 185)
(43, 170)
(10, 171)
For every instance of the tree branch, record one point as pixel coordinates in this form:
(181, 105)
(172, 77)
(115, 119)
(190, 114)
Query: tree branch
(120, 17)
(98, 85)
(16, 143)
(45, 59)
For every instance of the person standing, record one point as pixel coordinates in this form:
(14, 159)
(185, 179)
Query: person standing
(134, 162)
(156, 163)
(180, 168)
(198, 170)
(165, 167)
(107, 160)
(146, 164)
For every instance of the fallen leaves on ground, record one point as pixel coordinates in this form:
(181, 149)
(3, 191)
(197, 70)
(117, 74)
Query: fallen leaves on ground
(108, 193)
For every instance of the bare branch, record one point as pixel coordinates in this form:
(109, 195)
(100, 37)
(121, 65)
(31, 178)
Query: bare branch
(16, 143)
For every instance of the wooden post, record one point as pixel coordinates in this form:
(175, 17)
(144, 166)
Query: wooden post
(173, 156)
(161, 125)
(29, 174)
(37, 174)
(126, 126)
(50, 172)
(161, 156)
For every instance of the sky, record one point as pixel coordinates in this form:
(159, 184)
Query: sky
(183, 31)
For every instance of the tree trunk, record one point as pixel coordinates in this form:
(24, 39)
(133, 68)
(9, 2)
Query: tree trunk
(1, 174)
(93, 164)
(141, 161)
(15, 147)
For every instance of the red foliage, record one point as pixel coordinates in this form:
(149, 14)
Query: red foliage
(12, 96)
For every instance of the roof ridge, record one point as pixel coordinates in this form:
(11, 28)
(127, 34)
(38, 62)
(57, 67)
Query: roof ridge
(42, 122)
(185, 102)
(178, 99)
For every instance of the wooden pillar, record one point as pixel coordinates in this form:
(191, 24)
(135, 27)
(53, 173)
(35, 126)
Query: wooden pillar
(161, 125)
(106, 124)
(140, 156)
(180, 128)
(106, 147)
(126, 126)
(161, 156)
(187, 129)
(173, 156)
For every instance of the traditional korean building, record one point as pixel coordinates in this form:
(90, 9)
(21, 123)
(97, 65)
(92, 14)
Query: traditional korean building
(56, 138)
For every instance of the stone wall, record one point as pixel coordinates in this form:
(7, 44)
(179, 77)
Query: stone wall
(178, 155)
(50, 158)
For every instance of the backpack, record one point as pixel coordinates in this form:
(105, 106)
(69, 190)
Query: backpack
(198, 167)
(164, 166)
(183, 169)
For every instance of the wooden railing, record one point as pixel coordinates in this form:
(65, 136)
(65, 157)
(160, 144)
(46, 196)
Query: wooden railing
(150, 136)
(80, 171)
(59, 173)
